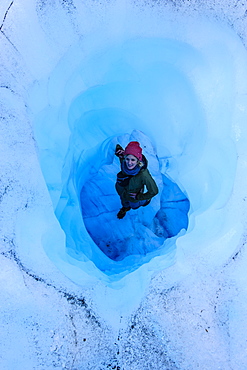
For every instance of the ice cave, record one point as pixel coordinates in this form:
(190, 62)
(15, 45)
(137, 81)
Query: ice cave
(165, 287)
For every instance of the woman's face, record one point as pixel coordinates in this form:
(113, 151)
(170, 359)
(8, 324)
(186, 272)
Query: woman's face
(131, 161)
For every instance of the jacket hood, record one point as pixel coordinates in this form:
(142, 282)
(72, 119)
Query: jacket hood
(145, 162)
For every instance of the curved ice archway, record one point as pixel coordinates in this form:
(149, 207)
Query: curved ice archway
(215, 46)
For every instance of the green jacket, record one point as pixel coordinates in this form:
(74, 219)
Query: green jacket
(137, 184)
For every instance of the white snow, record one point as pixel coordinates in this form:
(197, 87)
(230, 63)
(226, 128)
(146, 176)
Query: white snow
(77, 78)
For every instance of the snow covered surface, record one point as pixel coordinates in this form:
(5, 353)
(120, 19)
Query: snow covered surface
(76, 78)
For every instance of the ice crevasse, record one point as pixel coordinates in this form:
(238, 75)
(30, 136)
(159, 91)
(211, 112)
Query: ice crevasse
(179, 90)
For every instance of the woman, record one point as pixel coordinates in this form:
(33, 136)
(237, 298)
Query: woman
(133, 178)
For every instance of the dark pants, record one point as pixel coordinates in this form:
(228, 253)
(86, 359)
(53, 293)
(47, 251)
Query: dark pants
(135, 205)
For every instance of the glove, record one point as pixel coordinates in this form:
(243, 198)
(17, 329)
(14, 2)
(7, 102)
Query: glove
(119, 151)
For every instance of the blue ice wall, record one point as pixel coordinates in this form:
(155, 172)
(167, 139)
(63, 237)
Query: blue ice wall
(142, 231)
(134, 91)
(165, 92)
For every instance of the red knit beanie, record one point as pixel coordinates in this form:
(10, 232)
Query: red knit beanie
(134, 148)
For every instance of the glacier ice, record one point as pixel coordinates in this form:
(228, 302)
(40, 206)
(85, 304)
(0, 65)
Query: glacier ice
(172, 75)
(163, 87)
(136, 239)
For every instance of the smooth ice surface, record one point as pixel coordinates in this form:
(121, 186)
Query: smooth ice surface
(77, 77)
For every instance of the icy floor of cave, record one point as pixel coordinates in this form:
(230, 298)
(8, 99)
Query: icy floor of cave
(119, 246)
(141, 231)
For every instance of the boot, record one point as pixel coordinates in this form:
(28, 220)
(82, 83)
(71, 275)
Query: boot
(122, 212)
